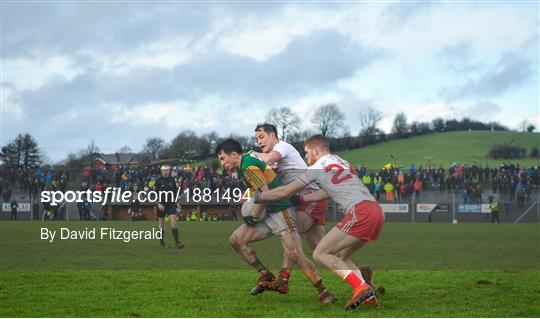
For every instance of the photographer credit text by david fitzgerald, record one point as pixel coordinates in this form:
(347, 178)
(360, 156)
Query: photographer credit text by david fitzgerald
(102, 233)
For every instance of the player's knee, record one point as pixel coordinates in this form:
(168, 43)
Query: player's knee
(294, 254)
(318, 256)
(234, 242)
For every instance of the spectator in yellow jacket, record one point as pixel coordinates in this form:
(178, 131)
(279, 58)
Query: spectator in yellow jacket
(366, 180)
(389, 189)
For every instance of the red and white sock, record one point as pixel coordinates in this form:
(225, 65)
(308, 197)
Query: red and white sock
(354, 280)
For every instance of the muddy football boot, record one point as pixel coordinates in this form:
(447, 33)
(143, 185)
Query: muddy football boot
(327, 298)
(265, 278)
(364, 295)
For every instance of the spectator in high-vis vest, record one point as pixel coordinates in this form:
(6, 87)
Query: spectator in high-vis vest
(366, 179)
(389, 190)
(494, 206)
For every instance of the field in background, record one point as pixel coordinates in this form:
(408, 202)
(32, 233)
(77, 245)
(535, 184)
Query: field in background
(428, 270)
(461, 147)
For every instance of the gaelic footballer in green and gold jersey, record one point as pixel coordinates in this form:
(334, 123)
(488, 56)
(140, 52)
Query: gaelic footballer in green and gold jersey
(280, 220)
(257, 174)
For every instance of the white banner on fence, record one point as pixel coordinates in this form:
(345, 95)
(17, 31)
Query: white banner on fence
(395, 208)
(23, 207)
(432, 208)
(474, 208)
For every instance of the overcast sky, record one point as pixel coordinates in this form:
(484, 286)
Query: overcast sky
(121, 72)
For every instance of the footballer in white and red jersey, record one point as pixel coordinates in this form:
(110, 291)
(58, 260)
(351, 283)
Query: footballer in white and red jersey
(289, 165)
(363, 220)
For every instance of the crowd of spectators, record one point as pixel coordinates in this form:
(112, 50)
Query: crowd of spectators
(32, 181)
(389, 184)
(144, 178)
(398, 184)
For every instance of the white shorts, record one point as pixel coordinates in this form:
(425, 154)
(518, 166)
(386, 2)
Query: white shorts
(280, 223)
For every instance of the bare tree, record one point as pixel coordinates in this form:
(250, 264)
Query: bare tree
(153, 147)
(92, 150)
(328, 119)
(400, 127)
(124, 149)
(369, 122)
(285, 120)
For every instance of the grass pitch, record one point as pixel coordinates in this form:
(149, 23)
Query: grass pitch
(427, 270)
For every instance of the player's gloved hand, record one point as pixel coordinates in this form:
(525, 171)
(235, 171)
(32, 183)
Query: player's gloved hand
(250, 220)
(257, 197)
(296, 200)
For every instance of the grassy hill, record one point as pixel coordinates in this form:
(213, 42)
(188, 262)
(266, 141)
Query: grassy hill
(461, 147)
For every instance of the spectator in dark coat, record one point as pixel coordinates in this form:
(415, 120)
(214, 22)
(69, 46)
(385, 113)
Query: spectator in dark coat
(14, 205)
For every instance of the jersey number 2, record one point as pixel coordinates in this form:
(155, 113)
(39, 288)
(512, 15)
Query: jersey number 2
(336, 179)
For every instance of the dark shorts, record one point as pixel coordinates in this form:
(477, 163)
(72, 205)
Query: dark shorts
(169, 210)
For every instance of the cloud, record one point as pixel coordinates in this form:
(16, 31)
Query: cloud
(121, 72)
(51, 28)
(484, 110)
(310, 63)
(458, 57)
(510, 71)
(396, 15)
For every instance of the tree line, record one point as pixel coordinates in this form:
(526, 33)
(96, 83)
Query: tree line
(327, 120)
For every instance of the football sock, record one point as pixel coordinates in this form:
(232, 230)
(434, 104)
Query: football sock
(285, 273)
(162, 240)
(353, 280)
(175, 234)
(320, 287)
(258, 265)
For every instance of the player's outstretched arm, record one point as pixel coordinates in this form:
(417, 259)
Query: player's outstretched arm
(269, 158)
(315, 196)
(282, 191)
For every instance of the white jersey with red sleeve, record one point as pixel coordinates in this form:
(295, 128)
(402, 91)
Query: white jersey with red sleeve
(290, 164)
(334, 175)
(288, 157)
(289, 167)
